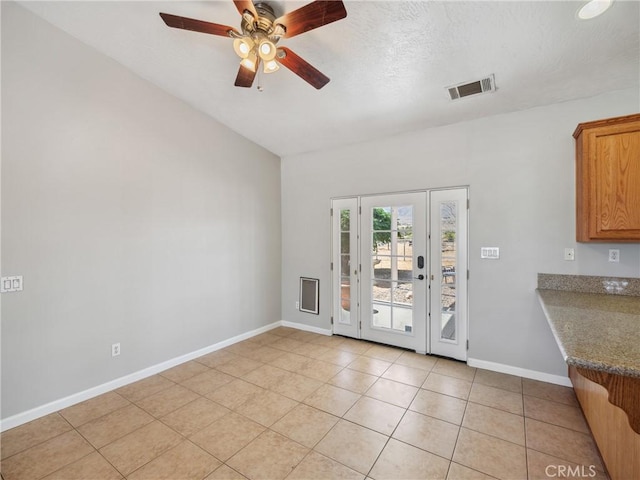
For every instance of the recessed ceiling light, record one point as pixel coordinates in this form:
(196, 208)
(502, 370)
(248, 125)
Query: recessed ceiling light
(594, 8)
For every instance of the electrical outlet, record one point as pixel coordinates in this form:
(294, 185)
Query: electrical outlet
(297, 305)
(115, 349)
(569, 254)
(614, 255)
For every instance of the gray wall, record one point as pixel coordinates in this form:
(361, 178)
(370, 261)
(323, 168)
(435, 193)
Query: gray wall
(133, 218)
(520, 170)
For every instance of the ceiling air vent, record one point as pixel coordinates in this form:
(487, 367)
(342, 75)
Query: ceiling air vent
(484, 85)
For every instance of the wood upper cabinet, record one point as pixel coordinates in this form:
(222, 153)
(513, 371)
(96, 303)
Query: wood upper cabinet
(608, 180)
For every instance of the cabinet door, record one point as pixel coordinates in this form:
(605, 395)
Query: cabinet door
(614, 161)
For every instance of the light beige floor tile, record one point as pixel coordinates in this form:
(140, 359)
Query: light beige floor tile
(416, 360)
(194, 416)
(351, 345)
(283, 331)
(185, 461)
(206, 382)
(185, 371)
(556, 413)
(139, 447)
(291, 362)
(504, 381)
(115, 425)
(333, 400)
(46, 457)
(145, 388)
(446, 385)
(319, 370)
(389, 391)
(544, 467)
(337, 357)
(406, 374)
(375, 414)
(239, 366)
(270, 456)
(267, 376)
(91, 467)
(266, 407)
(353, 380)
(490, 455)
(497, 398)
(30, 434)
(224, 437)
(561, 442)
(372, 366)
(235, 393)
(439, 406)
(303, 336)
(94, 408)
(497, 423)
(331, 341)
(264, 354)
(318, 467)
(428, 433)
(399, 460)
(296, 387)
(265, 338)
(388, 354)
(549, 391)
(311, 350)
(287, 344)
(225, 472)
(453, 368)
(352, 445)
(161, 403)
(241, 348)
(305, 425)
(216, 358)
(460, 472)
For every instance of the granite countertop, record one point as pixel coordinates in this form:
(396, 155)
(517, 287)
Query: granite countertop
(594, 330)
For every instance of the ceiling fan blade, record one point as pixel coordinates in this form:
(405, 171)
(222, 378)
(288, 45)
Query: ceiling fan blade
(196, 25)
(245, 77)
(300, 67)
(243, 5)
(313, 15)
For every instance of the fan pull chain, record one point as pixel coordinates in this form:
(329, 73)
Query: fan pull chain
(259, 86)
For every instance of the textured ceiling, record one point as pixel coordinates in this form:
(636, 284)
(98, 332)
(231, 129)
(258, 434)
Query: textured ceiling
(388, 62)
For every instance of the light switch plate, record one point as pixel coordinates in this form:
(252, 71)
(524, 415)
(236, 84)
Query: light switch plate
(11, 284)
(490, 253)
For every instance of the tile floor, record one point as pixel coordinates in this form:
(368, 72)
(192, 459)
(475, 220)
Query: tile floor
(296, 405)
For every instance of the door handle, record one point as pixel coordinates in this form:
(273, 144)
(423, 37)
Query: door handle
(419, 277)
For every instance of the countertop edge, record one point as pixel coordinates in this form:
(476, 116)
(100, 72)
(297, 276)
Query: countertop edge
(577, 361)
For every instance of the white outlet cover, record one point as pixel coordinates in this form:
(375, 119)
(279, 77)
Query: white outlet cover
(569, 254)
(614, 255)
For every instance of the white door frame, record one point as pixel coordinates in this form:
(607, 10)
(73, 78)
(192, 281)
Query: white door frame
(353, 324)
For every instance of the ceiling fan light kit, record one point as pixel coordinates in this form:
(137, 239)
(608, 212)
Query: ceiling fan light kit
(260, 33)
(594, 8)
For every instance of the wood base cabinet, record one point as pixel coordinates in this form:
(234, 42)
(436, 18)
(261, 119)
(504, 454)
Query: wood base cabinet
(618, 443)
(608, 180)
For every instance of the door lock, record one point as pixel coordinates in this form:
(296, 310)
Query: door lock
(419, 277)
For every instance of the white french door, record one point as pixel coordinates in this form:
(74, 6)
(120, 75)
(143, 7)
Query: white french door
(399, 270)
(345, 267)
(448, 280)
(393, 281)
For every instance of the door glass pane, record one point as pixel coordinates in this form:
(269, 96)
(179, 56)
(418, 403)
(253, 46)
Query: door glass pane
(392, 267)
(345, 267)
(448, 258)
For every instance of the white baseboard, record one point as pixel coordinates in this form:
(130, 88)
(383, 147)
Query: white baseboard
(41, 411)
(520, 372)
(307, 328)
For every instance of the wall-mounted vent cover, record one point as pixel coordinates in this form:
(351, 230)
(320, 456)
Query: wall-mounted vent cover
(484, 85)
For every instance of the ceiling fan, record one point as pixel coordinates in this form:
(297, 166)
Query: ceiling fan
(260, 33)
